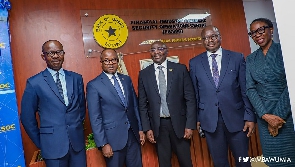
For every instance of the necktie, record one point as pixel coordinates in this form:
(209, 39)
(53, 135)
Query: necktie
(163, 90)
(59, 87)
(215, 69)
(119, 90)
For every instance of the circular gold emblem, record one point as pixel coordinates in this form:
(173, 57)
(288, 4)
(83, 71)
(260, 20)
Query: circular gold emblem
(110, 31)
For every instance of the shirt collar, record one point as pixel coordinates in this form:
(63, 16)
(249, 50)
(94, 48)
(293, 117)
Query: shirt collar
(53, 72)
(218, 52)
(111, 75)
(164, 64)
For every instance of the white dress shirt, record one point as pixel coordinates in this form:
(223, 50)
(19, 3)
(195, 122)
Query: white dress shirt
(164, 64)
(218, 59)
(112, 80)
(62, 79)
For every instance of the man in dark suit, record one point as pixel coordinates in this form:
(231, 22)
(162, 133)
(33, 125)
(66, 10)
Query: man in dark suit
(113, 112)
(57, 95)
(167, 109)
(224, 111)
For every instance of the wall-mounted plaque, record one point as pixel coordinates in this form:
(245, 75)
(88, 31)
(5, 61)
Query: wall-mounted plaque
(176, 27)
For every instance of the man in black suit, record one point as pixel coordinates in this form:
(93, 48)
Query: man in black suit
(167, 109)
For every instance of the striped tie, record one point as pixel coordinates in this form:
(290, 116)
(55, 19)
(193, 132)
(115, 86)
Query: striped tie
(59, 87)
(163, 90)
(119, 90)
(215, 71)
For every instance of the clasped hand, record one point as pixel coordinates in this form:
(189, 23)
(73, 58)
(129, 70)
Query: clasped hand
(107, 151)
(142, 137)
(274, 123)
(250, 126)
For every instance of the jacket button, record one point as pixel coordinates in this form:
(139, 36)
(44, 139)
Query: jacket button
(126, 123)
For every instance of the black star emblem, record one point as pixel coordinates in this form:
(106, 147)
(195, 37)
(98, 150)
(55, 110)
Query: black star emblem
(111, 31)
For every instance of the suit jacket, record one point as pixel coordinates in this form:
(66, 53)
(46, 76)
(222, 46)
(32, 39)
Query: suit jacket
(60, 125)
(230, 95)
(180, 99)
(110, 120)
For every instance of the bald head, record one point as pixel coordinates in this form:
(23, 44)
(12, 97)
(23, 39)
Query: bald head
(209, 27)
(107, 51)
(53, 54)
(158, 43)
(211, 38)
(50, 42)
(109, 61)
(158, 52)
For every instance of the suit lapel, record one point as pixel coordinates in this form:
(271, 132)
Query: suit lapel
(152, 78)
(206, 67)
(52, 85)
(70, 86)
(124, 84)
(170, 74)
(224, 64)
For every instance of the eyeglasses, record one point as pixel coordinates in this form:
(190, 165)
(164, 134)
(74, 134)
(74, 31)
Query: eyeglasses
(52, 53)
(260, 30)
(212, 37)
(160, 49)
(113, 61)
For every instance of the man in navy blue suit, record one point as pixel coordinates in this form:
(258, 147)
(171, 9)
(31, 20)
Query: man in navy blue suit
(113, 112)
(224, 111)
(57, 95)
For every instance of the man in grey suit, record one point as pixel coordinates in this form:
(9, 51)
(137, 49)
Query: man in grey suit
(167, 109)
(224, 111)
(57, 95)
(113, 112)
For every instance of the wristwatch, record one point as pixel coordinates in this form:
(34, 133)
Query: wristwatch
(104, 145)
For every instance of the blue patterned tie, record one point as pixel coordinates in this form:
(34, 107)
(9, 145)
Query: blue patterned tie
(119, 90)
(59, 87)
(163, 90)
(215, 69)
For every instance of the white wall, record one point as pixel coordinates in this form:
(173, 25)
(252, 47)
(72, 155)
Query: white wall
(284, 12)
